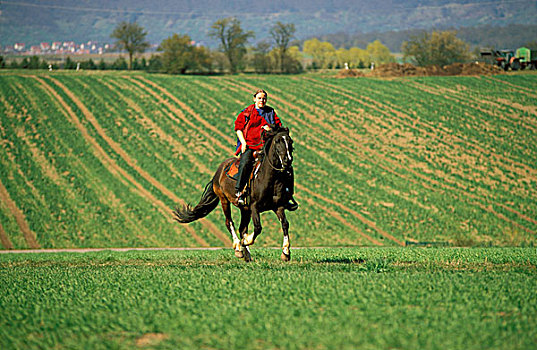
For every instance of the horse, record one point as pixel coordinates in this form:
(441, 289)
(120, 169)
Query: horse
(268, 191)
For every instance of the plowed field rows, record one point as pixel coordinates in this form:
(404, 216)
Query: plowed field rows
(100, 160)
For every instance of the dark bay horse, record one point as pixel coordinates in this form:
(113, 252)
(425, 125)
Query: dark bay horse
(267, 192)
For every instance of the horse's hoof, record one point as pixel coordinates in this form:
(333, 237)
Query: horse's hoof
(286, 257)
(238, 249)
(248, 240)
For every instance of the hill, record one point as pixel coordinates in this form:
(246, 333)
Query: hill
(101, 159)
(510, 36)
(35, 21)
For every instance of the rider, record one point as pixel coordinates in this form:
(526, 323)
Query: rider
(248, 126)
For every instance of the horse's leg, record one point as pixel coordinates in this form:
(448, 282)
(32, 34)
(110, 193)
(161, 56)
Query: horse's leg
(243, 231)
(249, 239)
(286, 247)
(226, 208)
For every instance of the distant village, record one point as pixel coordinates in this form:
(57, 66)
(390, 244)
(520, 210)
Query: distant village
(58, 48)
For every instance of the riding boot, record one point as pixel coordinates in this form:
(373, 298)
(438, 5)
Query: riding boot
(245, 168)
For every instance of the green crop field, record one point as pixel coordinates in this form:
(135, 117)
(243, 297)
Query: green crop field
(101, 159)
(347, 298)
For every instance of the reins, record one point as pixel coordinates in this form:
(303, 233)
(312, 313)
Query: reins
(269, 160)
(273, 167)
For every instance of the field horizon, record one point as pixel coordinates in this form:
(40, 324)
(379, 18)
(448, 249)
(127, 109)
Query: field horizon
(100, 159)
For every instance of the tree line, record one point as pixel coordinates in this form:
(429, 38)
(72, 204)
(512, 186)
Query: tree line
(178, 54)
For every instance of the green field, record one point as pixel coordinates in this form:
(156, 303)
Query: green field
(347, 298)
(101, 159)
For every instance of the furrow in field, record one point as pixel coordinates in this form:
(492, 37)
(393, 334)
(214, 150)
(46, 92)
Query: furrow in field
(338, 217)
(491, 136)
(518, 106)
(325, 126)
(496, 105)
(460, 188)
(153, 128)
(522, 170)
(107, 197)
(29, 236)
(176, 146)
(445, 136)
(108, 162)
(514, 88)
(208, 128)
(349, 142)
(178, 117)
(4, 239)
(356, 215)
(463, 99)
(501, 216)
(132, 163)
(19, 216)
(377, 106)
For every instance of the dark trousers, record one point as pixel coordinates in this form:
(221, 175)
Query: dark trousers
(245, 169)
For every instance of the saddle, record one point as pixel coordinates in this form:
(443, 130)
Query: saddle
(232, 169)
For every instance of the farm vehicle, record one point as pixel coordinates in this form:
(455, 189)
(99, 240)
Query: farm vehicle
(522, 58)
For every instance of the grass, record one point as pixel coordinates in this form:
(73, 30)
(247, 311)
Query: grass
(348, 298)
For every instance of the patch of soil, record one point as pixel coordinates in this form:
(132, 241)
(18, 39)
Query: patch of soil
(151, 339)
(407, 69)
(350, 73)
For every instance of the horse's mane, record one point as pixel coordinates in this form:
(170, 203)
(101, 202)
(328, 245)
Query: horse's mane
(268, 136)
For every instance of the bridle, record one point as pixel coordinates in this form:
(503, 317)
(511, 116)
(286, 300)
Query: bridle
(281, 161)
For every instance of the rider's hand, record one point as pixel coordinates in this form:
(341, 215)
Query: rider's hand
(243, 148)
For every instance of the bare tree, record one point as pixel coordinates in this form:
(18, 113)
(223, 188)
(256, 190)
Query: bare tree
(282, 34)
(232, 39)
(131, 38)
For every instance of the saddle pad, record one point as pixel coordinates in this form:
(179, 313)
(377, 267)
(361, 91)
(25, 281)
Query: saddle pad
(232, 169)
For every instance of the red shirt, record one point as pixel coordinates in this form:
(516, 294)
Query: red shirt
(250, 123)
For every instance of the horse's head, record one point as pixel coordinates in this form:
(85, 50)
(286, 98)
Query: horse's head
(279, 148)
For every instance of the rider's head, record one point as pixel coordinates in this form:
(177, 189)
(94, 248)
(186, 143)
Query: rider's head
(260, 98)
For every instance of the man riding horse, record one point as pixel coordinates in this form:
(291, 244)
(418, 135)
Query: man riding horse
(270, 189)
(248, 126)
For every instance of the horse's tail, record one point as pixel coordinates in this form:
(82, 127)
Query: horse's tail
(209, 200)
